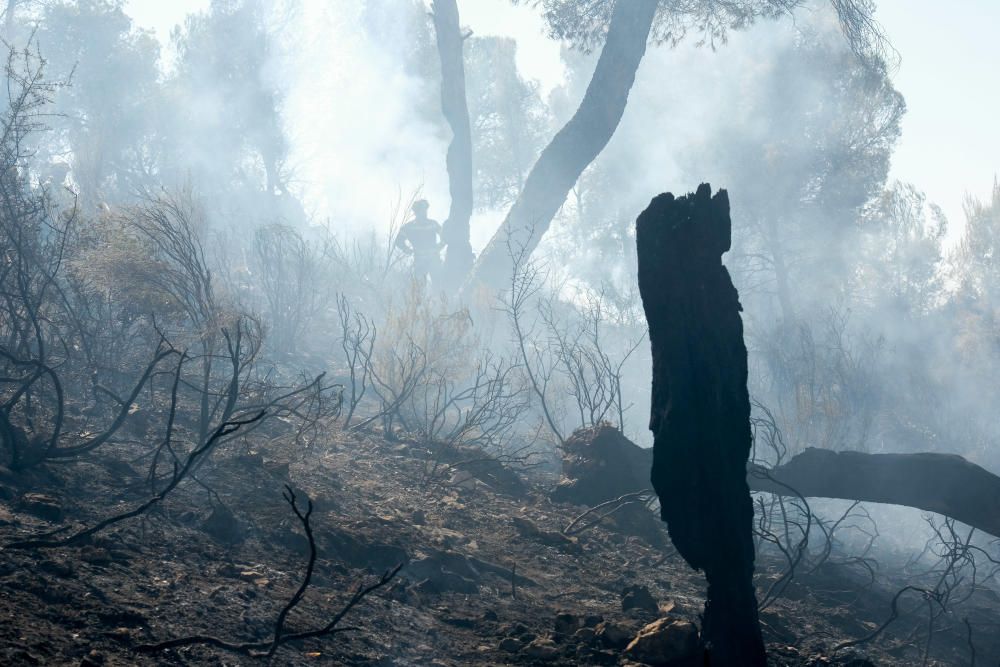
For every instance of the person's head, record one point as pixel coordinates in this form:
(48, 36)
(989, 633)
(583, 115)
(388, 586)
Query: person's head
(420, 208)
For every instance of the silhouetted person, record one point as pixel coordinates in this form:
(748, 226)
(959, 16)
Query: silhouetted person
(421, 237)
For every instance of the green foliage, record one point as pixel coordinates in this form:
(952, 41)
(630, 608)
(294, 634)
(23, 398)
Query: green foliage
(901, 256)
(818, 129)
(976, 264)
(509, 120)
(226, 105)
(976, 306)
(586, 23)
(106, 118)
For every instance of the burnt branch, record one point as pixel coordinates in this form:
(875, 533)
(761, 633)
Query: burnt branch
(894, 613)
(179, 474)
(267, 649)
(358, 334)
(611, 506)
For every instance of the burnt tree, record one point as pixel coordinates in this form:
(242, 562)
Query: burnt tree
(943, 483)
(458, 257)
(700, 414)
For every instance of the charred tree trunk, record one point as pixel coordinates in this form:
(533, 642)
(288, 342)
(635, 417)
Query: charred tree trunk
(605, 467)
(454, 106)
(942, 483)
(701, 410)
(575, 146)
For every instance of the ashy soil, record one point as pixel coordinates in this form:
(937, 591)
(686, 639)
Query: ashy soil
(489, 577)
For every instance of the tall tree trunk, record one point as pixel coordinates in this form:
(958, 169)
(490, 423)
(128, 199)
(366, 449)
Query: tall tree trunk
(700, 414)
(458, 257)
(8, 23)
(575, 146)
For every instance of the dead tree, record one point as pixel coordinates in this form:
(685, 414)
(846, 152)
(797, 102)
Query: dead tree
(701, 410)
(357, 339)
(942, 483)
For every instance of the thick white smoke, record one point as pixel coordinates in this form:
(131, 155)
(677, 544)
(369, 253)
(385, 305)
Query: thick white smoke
(356, 143)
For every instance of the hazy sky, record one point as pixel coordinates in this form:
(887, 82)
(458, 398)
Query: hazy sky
(948, 74)
(161, 16)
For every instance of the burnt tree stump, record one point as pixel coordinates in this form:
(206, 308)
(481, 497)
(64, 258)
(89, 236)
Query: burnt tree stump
(700, 415)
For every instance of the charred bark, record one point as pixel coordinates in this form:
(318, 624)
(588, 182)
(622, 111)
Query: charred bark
(700, 415)
(942, 483)
(454, 106)
(575, 146)
(608, 465)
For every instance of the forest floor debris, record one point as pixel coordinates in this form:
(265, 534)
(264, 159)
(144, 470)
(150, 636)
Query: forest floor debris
(489, 578)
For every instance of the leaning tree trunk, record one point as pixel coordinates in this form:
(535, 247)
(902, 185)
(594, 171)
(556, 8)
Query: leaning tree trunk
(458, 257)
(700, 414)
(574, 147)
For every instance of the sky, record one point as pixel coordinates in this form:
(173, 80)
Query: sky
(948, 73)
(949, 76)
(161, 16)
(537, 55)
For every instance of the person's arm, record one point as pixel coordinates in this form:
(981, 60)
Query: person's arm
(402, 241)
(438, 230)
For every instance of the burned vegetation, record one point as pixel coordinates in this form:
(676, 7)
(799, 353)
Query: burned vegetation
(676, 432)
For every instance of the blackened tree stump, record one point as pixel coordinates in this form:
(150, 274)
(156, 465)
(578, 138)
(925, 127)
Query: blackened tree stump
(701, 410)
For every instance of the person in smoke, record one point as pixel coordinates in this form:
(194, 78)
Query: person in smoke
(421, 237)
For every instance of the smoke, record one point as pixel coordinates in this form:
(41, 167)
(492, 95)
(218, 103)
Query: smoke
(362, 105)
(353, 116)
(362, 114)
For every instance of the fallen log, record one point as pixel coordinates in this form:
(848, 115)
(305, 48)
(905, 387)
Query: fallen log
(601, 467)
(945, 484)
